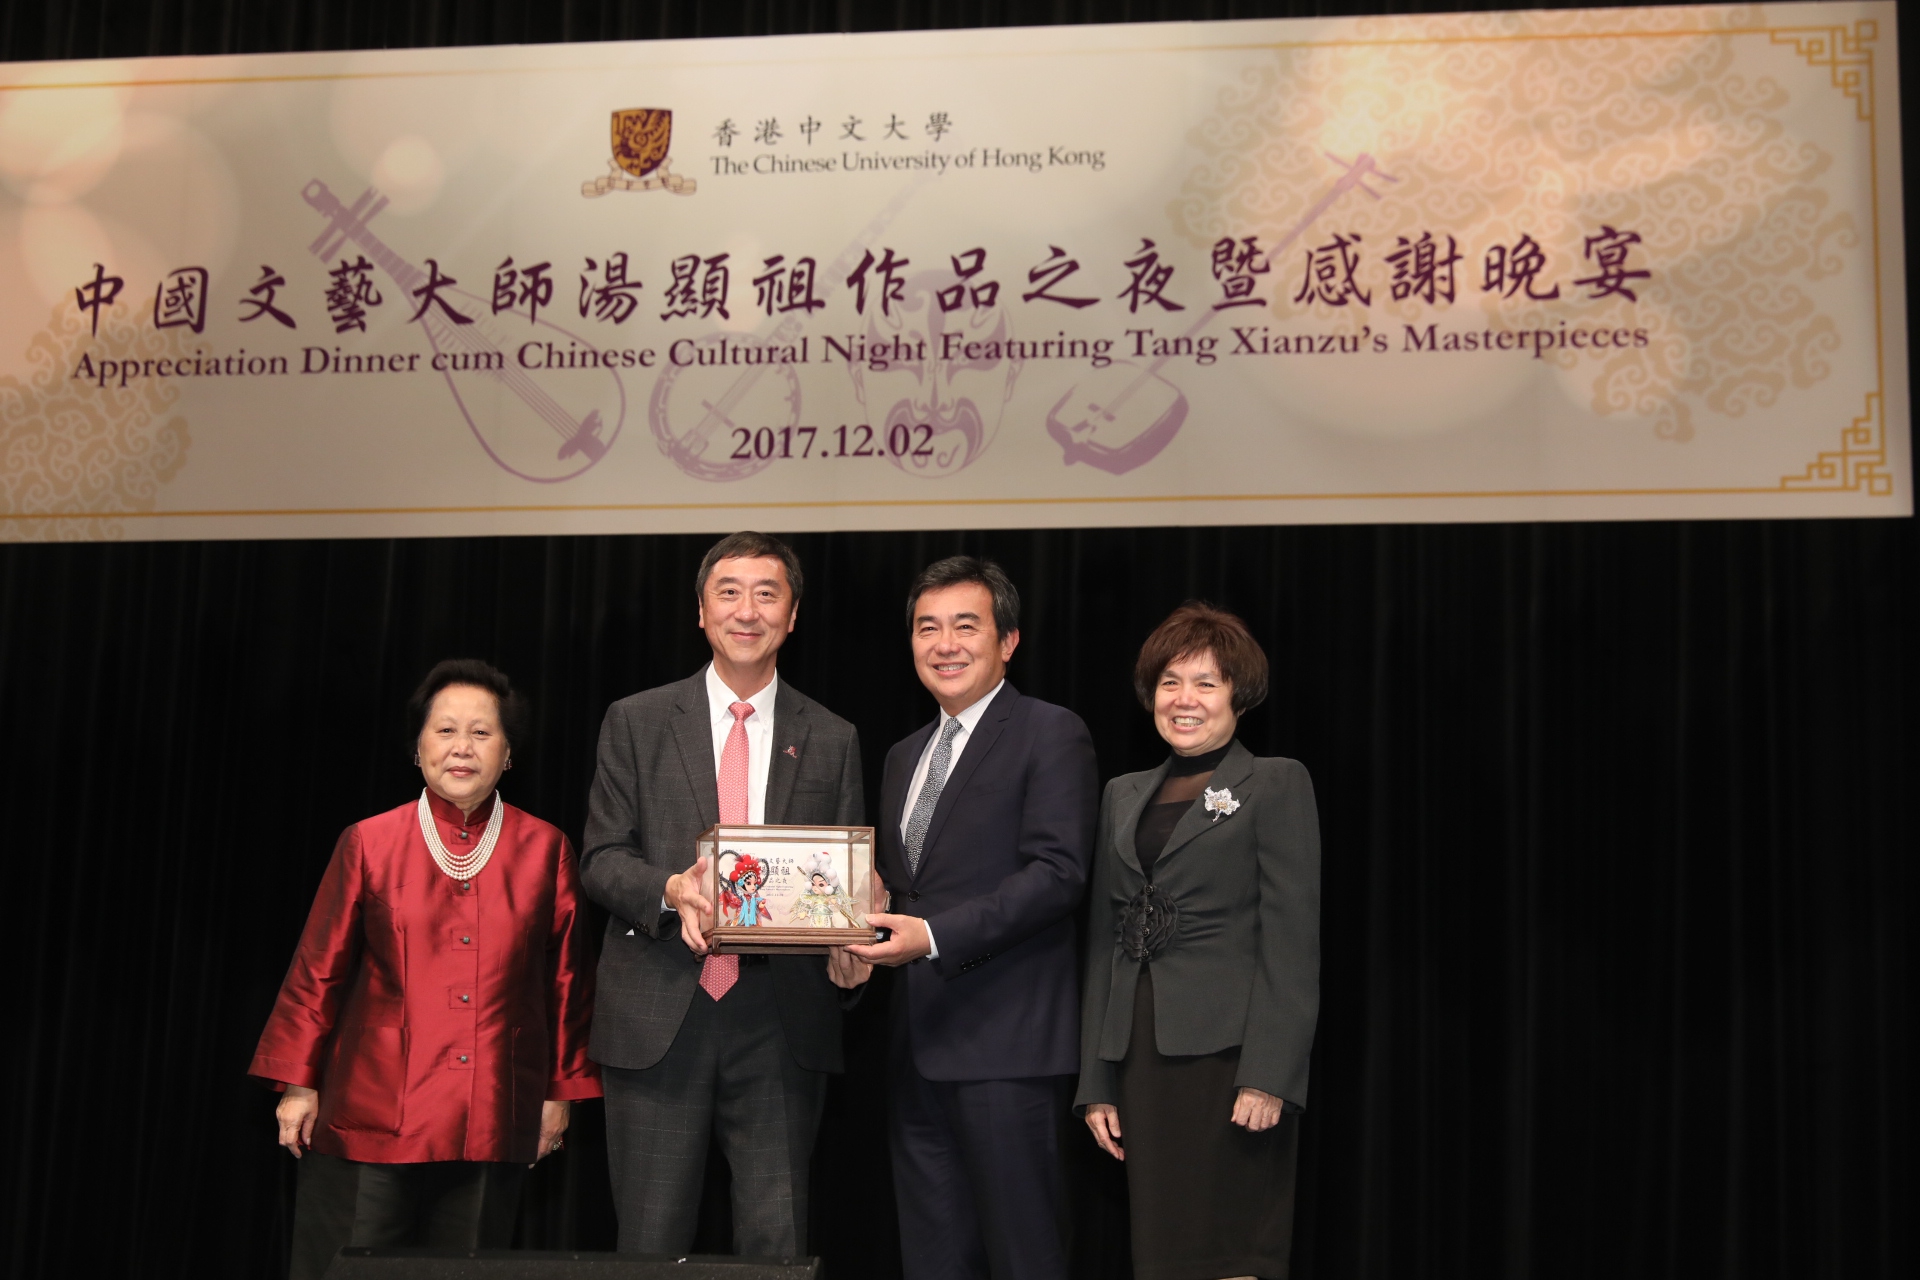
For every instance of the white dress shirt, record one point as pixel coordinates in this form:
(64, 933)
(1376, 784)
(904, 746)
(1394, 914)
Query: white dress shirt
(969, 719)
(720, 700)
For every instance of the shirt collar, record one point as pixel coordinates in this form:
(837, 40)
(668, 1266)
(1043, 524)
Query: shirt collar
(720, 699)
(450, 813)
(971, 716)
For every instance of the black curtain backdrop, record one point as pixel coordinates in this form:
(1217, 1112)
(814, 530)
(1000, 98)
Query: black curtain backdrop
(1618, 851)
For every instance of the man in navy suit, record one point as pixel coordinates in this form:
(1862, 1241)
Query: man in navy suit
(985, 836)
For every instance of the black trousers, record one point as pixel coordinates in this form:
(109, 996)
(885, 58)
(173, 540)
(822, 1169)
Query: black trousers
(443, 1204)
(976, 1171)
(728, 1074)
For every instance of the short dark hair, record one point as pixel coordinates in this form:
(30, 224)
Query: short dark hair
(955, 570)
(481, 675)
(750, 545)
(1197, 627)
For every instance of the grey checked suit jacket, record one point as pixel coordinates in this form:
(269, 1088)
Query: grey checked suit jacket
(654, 791)
(1243, 965)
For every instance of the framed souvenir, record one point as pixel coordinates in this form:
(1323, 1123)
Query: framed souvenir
(787, 890)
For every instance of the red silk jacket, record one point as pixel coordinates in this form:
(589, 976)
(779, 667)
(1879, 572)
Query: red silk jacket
(435, 1019)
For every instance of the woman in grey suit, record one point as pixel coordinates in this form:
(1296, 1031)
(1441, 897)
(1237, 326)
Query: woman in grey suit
(1203, 966)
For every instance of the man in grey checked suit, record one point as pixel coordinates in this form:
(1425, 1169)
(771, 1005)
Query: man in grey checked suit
(679, 1062)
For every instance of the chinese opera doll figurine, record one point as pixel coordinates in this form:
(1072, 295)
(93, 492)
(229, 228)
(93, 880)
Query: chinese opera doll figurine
(741, 902)
(824, 897)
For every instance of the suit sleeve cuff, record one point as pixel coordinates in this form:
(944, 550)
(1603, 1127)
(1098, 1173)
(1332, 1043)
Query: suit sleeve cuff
(1097, 1086)
(666, 922)
(1244, 1079)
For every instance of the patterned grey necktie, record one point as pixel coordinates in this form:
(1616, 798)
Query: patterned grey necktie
(922, 816)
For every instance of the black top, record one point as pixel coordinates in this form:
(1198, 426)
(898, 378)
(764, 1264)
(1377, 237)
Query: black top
(1186, 778)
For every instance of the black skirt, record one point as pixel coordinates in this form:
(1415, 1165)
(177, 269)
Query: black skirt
(1208, 1199)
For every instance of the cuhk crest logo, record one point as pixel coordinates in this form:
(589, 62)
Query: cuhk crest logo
(642, 137)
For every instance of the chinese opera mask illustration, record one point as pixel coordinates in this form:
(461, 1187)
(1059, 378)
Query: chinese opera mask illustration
(956, 379)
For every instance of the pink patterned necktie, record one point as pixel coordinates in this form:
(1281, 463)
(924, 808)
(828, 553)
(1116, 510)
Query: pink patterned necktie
(719, 973)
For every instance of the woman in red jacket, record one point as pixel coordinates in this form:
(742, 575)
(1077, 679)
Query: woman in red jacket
(432, 1029)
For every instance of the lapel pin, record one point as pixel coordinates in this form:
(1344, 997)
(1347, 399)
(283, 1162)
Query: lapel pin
(1220, 803)
(795, 754)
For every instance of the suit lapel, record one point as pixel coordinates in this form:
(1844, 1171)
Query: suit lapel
(789, 747)
(1234, 771)
(979, 743)
(693, 732)
(1131, 809)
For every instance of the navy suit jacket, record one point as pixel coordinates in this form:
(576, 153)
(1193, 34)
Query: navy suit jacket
(1004, 867)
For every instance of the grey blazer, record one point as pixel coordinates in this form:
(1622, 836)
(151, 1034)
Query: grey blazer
(1243, 964)
(654, 791)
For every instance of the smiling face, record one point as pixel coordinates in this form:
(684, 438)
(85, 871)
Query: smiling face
(748, 611)
(462, 748)
(957, 653)
(1193, 705)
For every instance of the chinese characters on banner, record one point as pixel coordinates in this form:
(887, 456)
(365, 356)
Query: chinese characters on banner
(698, 287)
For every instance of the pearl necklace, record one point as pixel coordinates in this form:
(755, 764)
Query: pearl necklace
(462, 866)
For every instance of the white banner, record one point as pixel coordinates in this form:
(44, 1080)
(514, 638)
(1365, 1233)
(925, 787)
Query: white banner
(1578, 265)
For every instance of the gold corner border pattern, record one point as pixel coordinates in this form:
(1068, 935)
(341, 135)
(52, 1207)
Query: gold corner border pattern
(1860, 463)
(1844, 52)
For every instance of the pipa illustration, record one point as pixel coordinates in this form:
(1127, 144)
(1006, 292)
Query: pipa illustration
(551, 425)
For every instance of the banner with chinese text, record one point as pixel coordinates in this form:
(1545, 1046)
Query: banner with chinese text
(1608, 264)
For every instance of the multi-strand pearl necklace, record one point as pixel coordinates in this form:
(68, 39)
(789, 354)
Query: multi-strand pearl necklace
(462, 866)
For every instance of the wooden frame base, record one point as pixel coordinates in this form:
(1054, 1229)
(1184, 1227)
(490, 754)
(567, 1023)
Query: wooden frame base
(734, 940)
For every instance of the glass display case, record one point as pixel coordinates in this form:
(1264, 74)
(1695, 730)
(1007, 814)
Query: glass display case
(789, 890)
